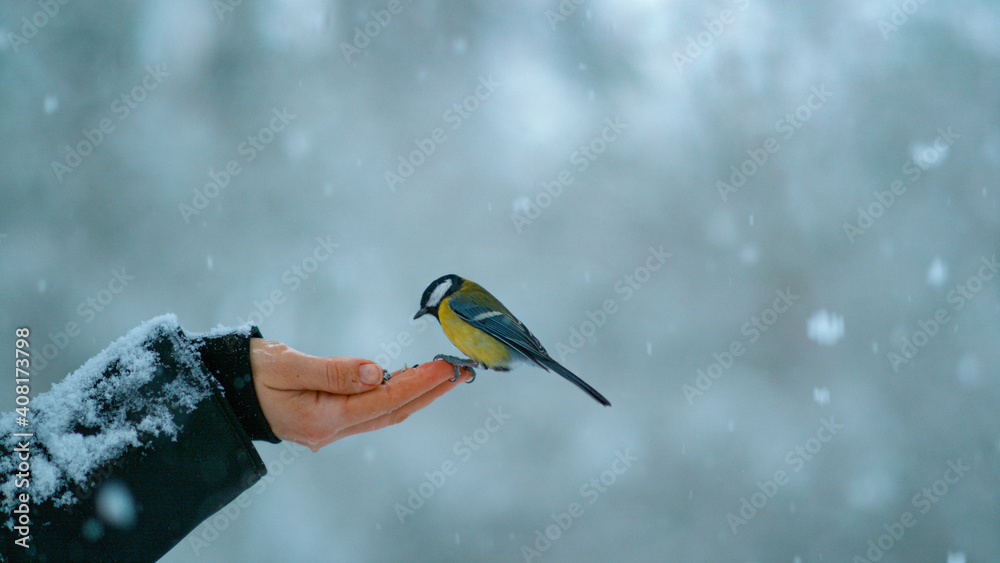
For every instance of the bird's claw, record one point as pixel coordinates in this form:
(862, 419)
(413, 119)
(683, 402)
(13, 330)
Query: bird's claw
(386, 376)
(459, 363)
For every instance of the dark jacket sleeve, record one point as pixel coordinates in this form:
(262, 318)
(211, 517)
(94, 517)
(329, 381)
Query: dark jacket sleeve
(133, 450)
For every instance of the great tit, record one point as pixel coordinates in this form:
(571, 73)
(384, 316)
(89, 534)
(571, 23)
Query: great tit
(483, 329)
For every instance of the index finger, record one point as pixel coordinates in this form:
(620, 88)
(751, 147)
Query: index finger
(403, 388)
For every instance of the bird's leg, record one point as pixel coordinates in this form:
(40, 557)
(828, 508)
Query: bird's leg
(459, 363)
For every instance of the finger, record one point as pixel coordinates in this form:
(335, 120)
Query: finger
(323, 416)
(289, 369)
(403, 412)
(402, 389)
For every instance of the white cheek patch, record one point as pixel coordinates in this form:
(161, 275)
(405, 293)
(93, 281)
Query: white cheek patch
(438, 294)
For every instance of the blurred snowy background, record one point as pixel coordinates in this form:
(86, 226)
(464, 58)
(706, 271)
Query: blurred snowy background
(791, 207)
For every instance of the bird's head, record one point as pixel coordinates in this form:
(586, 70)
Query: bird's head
(436, 292)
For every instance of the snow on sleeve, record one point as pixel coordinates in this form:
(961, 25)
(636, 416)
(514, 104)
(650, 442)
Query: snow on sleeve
(223, 330)
(102, 409)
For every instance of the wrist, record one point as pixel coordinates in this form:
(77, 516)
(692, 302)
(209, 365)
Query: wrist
(227, 359)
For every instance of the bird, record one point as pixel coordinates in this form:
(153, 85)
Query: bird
(483, 329)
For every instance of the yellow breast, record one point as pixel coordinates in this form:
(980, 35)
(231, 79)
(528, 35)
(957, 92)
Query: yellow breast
(474, 343)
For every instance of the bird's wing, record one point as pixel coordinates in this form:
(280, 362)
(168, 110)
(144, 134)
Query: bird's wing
(491, 317)
(494, 319)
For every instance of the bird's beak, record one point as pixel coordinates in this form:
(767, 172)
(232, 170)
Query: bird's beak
(420, 313)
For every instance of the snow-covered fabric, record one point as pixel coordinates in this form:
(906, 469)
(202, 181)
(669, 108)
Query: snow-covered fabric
(146, 426)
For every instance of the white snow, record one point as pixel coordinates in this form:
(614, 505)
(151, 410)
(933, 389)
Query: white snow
(821, 395)
(82, 421)
(115, 504)
(220, 330)
(929, 155)
(826, 329)
(937, 273)
(51, 104)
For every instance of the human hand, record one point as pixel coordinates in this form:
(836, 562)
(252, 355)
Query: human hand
(314, 401)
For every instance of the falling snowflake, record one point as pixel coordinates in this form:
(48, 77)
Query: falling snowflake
(115, 505)
(825, 328)
(821, 395)
(928, 155)
(51, 104)
(937, 274)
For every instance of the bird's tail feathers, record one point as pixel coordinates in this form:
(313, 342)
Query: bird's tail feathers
(550, 364)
